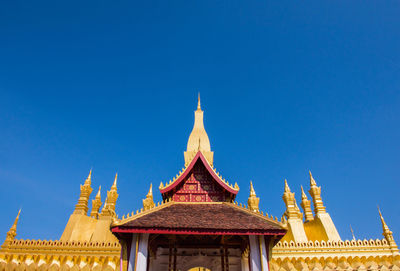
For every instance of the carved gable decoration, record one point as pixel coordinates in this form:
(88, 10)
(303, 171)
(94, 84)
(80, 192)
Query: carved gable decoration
(199, 183)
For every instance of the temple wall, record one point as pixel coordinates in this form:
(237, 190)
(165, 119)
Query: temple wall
(29, 255)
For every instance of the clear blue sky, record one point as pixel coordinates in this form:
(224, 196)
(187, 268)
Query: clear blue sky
(286, 86)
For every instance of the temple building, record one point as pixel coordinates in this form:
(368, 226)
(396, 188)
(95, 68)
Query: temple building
(199, 226)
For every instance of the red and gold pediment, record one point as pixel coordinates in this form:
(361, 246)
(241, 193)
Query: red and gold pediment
(199, 182)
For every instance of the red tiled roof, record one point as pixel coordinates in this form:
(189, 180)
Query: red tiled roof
(202, 218)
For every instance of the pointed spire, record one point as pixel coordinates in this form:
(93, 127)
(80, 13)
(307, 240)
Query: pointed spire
(198, 139)
(287, 188)
(150, 194)
(13, 230)
(387, 233)
(115, 181)
(252, 191)
(253, 201)
(148, 202)
(82, 205)
(96, 204)
(303, 195)
(352, 233)
(312, 181)
(198, 102)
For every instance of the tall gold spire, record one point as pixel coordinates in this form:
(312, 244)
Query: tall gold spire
(253, 201)
(96, 204)
(315, 193)
(306, 205)
(148, 202)
(387, 233)
(292, 210)
(198, 139)
(82, 205)
(111, 200)
(13, 231)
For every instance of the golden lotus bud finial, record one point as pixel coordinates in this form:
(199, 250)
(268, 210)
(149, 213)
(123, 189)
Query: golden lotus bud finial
(287, 188)
(150, 193)
(312, 181)
(98, 196)
(252, 191)
(303, 195)
(88, 180)
(115, 181)
(13, 230)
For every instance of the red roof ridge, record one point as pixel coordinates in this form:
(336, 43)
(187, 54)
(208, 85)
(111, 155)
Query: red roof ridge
(234, 189)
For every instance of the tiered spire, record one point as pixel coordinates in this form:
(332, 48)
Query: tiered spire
(253, 201)
(306, 205)
(13, 231)
(111, 200)
(315, 193)
(148, 202)
(82, 205)
(96, 204)
(387, 232)
(198, 139)
(292, 210)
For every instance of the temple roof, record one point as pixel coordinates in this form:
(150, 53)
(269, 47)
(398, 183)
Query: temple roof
(201, 218)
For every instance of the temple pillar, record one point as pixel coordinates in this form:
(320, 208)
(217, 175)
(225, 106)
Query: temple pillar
(138, 252)
(244, 262)
(258, 253)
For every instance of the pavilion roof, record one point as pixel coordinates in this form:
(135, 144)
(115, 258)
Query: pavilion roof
(201, 218)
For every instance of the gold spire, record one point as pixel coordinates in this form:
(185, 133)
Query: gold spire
(312, 181)
(387, 233)
(13, 230)
(352, 232)
(253, 201)
(148, 202)
(306, 205)
(96, 204)
(198, 102)
(287, 188)
(82, 205)
(315, 193)
(292, 210)
(198, 139)
(111, 200)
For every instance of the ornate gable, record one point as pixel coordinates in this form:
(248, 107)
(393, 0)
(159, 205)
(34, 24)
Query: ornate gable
(199, 183)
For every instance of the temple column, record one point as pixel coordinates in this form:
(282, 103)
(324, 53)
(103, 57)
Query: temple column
(138, 252)
(258, 253)
(244, 262)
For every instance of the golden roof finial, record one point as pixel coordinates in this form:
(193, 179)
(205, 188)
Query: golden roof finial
(88, 180)
(384, 225)
(287, 188)
(13, 230)
(115, 181)
(150, 194)
(198, 102)
(312, 181)
(303, 195)
(352, 232)
(252, 191)
(98, 196)
(387, 233)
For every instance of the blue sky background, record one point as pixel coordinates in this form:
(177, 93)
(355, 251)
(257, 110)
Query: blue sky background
(286, 86)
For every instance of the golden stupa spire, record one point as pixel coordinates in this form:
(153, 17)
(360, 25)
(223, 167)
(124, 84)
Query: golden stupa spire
(198, 139)
(287, 188)
(306, 205)
(253, 201)
(292, 210)
(96, 204)
(82, 205)
(387, 233)
(315, 193)
(13, 230)
(148, 202)
(111, 200)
